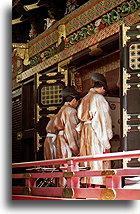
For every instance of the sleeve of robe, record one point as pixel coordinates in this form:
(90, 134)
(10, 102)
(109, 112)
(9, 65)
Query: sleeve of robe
(71, 120)
(101, 121)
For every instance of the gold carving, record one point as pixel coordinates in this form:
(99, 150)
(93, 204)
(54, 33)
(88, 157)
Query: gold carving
(65, 80)
(19, 78)
(51, 108)
(61, 32)
(138, 27)
(68, 192)
(38, 115)
(19, 135)
(51, 74)
(37, 80)
(68, 174)
(126, 77)
(31, 6)
(125, 38)
(50, 115)
(108, 172)
(62, 68)
(126, 127)
(51, 81)
(108, 194)
(22, 51)
(16, 21)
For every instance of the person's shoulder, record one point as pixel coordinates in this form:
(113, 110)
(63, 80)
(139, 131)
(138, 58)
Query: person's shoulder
(70, 109)
(99, 96)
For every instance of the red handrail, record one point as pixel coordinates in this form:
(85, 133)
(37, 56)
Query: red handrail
(72, 172)
(107, 156)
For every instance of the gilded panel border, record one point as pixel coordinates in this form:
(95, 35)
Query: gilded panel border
(90, 41)
(87, 15)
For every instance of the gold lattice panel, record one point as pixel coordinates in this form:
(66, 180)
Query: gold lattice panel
(134, 51)
(50, 95)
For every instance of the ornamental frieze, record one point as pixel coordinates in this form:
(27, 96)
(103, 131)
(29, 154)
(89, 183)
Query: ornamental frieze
(80, 17)
(92, 28)
(109, 18)
(81, 45)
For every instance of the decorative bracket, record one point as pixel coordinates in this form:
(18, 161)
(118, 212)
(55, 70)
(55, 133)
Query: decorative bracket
(126, 77)
(22, 51)
(126, 127)
(125, 38)
(38, 115)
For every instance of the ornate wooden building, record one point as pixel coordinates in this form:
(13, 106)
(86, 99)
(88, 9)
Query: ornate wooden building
(61, 43)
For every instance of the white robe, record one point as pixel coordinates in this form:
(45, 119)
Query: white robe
(49, 143)
(96, 131)
(67, 140)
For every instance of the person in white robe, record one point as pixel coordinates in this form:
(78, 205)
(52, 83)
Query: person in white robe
(96, 131)
(49, 143)
(66, 120)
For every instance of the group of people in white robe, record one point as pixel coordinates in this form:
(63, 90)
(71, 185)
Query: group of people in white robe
(82, 128)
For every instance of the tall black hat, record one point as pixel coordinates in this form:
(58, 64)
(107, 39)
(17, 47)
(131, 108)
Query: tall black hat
(97, 77)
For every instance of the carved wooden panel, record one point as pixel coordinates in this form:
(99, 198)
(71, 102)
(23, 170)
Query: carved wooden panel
(130, 67)
(48, 86)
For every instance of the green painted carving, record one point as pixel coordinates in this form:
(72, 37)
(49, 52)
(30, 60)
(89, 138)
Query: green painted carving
(109, 18)
(121, 11)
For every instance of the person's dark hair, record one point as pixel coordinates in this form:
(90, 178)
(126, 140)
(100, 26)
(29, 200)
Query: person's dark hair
(69, 98)
(99, 85)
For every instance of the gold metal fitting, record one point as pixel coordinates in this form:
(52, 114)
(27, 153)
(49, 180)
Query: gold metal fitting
(68, 192)
(27, 175)
(108, 194)
(68, 174)
(108, 172)
(19, 135)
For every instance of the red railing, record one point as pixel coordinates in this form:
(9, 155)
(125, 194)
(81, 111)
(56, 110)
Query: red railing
(72, 172)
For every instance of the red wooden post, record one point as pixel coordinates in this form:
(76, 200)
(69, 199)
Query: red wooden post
(113, 182)
(73, 182)
(29, 183)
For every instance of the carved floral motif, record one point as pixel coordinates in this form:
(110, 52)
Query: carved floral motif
(93, 27)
